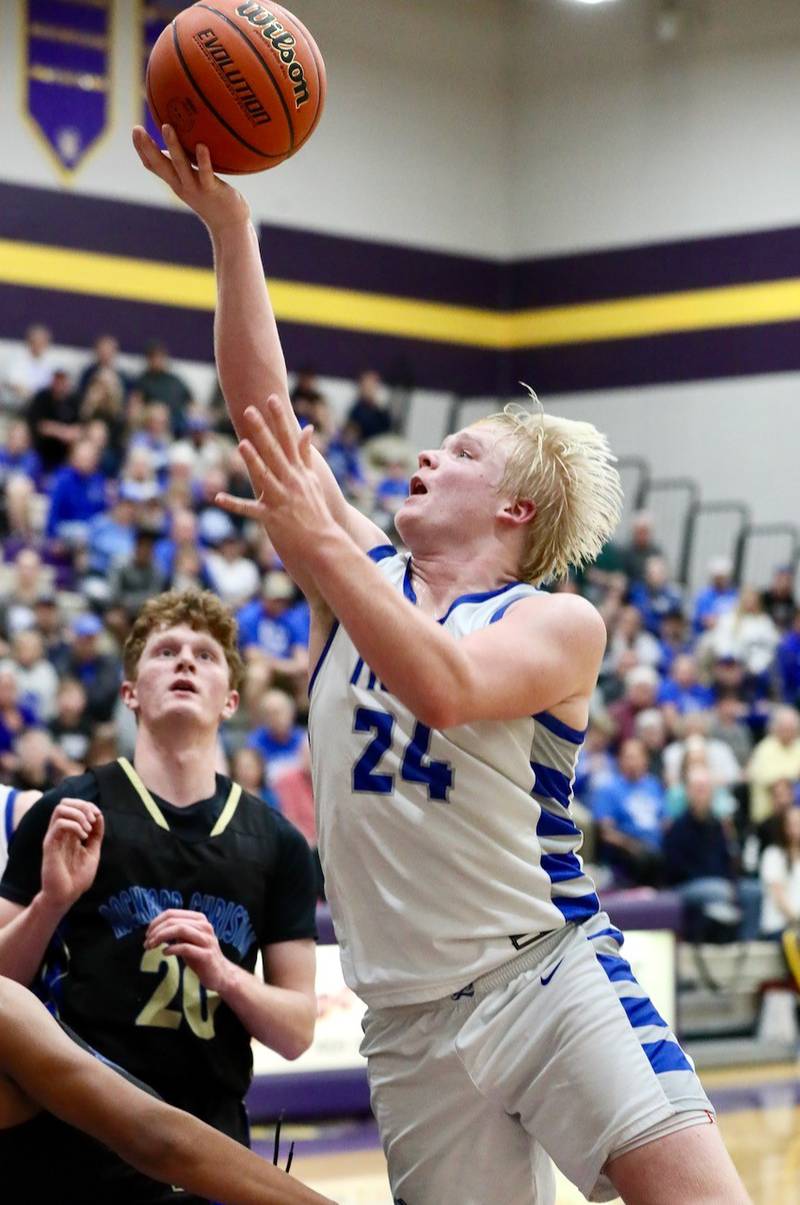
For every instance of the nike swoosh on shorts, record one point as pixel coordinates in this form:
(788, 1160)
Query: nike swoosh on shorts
(545, 979)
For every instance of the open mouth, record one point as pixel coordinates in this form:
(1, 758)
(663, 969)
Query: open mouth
(184, 685)
(417, 486)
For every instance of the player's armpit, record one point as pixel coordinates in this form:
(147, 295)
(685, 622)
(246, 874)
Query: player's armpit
(543, 653)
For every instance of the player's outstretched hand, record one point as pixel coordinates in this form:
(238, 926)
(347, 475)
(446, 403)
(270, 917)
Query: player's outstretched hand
(71, 852)
(190, 936)
(215, 202)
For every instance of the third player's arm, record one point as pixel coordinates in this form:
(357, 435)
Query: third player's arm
(162, 1142)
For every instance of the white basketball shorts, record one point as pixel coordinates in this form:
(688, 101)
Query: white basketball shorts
(558, 1053)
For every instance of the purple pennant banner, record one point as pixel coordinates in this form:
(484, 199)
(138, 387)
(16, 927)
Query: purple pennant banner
(155, 16)
(68, 59)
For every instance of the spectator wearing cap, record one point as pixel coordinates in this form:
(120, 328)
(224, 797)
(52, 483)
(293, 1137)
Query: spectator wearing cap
(776, 756)
(779, 600)
(655, 596)
(641, 691)
(787, 660)
(201, 445)
(630, 815)
(682, 691)
(79, 493)
(49, 623)
(719, 596)
(233, 575)
(30, 370)
(17, 454)
(98, 672)
(52, 417)
(269, 630)
(159, 384)
(641, 546)
(37, 680)
(368, 413)
(278, 738)
(138, 578)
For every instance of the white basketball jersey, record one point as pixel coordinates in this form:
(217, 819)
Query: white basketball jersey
(444, 853)
(7, 797)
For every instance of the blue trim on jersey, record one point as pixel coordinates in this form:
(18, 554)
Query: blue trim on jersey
(577, 910)
(382, 552)
(550, 825)
(552, 784)
(613, 933)
(323, 655)
(616, 968)
(561, 867)
(483, 596)
(8, 819)
(408, 589)
(640, 1011)
(558, 728)
(666, 1056)
(500, 612)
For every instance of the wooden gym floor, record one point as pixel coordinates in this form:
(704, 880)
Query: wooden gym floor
(759, 1117)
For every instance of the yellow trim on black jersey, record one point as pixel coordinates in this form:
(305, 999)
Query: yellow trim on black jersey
(223, 820)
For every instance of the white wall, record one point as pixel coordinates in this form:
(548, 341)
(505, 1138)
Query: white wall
(621, 139)
(410, 149)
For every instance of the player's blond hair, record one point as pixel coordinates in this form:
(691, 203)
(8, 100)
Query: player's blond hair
(198, 609)
(567, 469)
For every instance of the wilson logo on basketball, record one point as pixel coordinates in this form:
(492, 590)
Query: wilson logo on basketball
(235, 82)
(281, 41)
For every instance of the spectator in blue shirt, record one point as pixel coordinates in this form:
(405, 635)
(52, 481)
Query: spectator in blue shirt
(655, 596)
(79, 493)
(17, 455)
(270, 628)
(344, 459)
(681, 691)
(718, 597)
(279, 739)
(630, 812)
(112, 535)
(788, 662)
(674, 638)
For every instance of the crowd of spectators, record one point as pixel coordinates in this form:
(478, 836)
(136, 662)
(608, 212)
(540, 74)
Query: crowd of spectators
(689, 774)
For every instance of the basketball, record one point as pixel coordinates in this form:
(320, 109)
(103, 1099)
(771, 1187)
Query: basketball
(247, 80)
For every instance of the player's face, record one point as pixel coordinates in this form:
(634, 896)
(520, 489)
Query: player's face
(182, 676)
(457, 486)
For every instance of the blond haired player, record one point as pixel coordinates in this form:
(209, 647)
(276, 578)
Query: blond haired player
(449, 701)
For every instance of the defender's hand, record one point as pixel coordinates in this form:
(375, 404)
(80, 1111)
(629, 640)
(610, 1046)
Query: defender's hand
(215, 202)
(190, 936)
(71, 851)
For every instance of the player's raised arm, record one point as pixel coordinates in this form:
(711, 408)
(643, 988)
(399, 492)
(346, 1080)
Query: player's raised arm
(158, 1140)
(247, 346)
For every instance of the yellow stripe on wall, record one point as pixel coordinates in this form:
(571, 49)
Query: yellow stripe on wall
(124, 278)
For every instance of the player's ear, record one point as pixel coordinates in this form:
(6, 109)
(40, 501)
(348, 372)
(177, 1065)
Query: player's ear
(128, 694)
(520, 512)
(231, 705)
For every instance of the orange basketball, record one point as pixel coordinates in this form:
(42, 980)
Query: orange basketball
(245, 79)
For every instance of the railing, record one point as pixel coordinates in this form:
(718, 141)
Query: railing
(762, 547)
(671, 501)
(696, 535)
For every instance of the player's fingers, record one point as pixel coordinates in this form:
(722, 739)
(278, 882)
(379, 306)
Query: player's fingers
(177, 154)
(265, 441)
(69, 812)
(98, 830)
(285, 434)
(265, 484)
(205, 170)
(304, 446)
(186, 952)
(247, 508)
(154, 159)
(65, 830)
(178, 931)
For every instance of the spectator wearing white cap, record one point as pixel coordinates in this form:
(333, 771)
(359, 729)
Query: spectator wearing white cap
(719, 596)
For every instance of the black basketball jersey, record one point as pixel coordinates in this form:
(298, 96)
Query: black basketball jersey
(232, 858)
